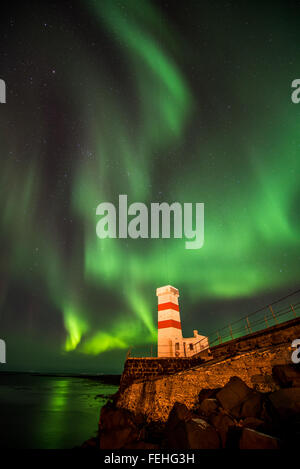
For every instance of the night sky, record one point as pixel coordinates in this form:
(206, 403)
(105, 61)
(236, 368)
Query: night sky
(163, 101)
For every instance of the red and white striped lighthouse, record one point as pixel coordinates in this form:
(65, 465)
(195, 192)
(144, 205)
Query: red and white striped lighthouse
(170, 342)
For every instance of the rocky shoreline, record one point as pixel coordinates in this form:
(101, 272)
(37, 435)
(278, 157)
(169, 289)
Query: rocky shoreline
(234, 416)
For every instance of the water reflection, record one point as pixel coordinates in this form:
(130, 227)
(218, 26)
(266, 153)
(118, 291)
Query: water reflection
(50, 412)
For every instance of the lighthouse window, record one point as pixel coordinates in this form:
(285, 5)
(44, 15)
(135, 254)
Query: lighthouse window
(177, 346)
(191, 347)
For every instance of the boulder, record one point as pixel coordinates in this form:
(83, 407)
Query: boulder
(201, 435)
(92, 443)
(141, 445)
(112, 417)
(117, 427)
(233, 437)
(154, 432)
(222, 423)
(267, 414)
(252, 439)
(252, 406)
(193, 434)
(286, 375)
(286, 402)
(208, 406)
(207, 394)
(178, 414)
(234, 393)
(118, 438)
(252, 422)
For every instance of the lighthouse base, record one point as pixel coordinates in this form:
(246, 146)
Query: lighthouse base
(180, 346)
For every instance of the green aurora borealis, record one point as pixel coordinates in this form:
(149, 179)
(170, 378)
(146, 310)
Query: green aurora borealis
(189, 103)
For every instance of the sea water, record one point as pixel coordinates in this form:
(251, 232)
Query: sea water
(51, 411)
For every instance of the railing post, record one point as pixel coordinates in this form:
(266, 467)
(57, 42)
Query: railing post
(273, 314)
(248, 324)
(294, 312)
(266, 321)
(219, 337)
(230, 331)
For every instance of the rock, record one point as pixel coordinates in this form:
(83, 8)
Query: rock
(154, 432)
(208, 406)
(251, 407)
(178, 414)
(92, 443)
(233, 437)
(286, 402)
(118, 438)
(234, 393)
(287, 375)
(193, 434)
(112, 417)
(141, 445)
(201, 435)
(222, 423)
(253, 423)
(267, 413)
(207, 394)
(251, 439)
(118, 427)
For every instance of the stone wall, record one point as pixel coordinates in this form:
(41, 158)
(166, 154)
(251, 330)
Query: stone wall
(139, 369)
(155, 397)
(152, 386)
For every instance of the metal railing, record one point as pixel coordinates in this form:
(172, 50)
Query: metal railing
(275, 313)
(254, 322)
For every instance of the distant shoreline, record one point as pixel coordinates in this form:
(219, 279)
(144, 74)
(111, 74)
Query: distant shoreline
(110, 378)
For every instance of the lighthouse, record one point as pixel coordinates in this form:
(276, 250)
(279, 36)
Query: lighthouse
(169, 324)
(170, 341)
